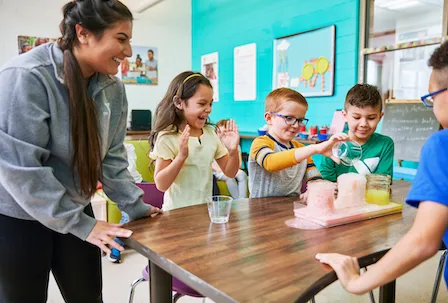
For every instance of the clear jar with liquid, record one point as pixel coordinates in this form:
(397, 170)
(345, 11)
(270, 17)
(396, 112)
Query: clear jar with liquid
(348, 152)
(378, 189)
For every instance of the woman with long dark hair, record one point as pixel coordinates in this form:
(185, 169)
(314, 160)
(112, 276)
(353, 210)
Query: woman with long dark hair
(62, 127)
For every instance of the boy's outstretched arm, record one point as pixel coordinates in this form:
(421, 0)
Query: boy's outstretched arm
(419, 244)
(262, 152)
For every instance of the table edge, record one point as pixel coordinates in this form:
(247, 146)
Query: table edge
(175, 270)
(215, 294)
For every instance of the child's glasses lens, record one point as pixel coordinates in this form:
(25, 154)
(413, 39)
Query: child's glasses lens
(429, 102)
(293, 121)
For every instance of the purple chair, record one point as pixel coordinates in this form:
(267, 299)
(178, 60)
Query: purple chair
(151, 195)
(180, 288)
(155, 197)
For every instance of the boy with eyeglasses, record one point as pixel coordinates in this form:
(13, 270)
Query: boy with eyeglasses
(277, 163)
(363, 110)
(429, 192)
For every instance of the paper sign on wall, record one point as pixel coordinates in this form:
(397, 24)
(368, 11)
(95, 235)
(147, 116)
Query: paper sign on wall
(245, 72)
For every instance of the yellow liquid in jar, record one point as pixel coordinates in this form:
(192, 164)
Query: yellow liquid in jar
(377, 196)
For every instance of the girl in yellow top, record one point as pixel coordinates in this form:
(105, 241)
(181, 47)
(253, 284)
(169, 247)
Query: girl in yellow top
(184, 144)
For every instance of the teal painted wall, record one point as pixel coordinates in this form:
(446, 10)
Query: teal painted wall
(221, 25)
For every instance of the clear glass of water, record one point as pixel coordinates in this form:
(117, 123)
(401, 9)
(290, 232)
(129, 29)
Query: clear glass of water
(219, 208)
(348, 152)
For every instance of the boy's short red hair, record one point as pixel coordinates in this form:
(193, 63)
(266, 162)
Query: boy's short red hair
(276, 98)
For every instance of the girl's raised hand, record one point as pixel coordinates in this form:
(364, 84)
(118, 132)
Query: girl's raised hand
(183, 143)
(229, 136)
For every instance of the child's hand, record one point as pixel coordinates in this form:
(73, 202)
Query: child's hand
(325, 147)
(346, 268)
(154, 211)
(183, 143)
(304, 197)
(229, 136)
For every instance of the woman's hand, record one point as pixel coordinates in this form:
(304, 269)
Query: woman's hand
(229, 136)
(103, 234)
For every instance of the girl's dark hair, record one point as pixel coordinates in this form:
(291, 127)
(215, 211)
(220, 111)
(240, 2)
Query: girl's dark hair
(95, 16)
(183, 87)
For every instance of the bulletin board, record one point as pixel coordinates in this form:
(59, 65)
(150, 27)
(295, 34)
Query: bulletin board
(305, 62)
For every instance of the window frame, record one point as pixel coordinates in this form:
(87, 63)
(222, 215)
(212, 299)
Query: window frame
(364, 26)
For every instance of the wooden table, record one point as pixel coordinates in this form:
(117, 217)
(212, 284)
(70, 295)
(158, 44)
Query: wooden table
(256, 257)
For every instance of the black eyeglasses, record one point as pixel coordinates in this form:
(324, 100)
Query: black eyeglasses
(290, 120)
(428, 100)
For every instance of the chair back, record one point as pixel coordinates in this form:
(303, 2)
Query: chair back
(151, 194)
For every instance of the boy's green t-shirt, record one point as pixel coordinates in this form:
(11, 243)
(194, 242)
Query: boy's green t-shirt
(377, 158)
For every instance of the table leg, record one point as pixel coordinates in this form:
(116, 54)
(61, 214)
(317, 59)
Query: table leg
(160, 285)
(387, 293)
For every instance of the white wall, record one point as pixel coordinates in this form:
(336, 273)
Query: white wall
(166, 26)
(28, 18)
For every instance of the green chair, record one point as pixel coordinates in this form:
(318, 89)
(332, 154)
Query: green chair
(144, 167)
(144, 164)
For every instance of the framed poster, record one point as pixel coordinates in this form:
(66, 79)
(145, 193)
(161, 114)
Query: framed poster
(209, 68)
(305, 62)
(142, 68)
(27, 43)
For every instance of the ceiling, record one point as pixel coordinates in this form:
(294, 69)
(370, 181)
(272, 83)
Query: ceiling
(138, 6)
(386, 12)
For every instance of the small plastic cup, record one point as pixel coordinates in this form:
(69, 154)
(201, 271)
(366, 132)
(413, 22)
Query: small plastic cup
(219, 208)
(348, 152)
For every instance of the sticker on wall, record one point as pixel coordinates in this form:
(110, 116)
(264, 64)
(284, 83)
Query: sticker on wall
(27, 43)
(142, 68)
(209, 68)
(310, 69)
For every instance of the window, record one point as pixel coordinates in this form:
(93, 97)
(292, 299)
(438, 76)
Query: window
(397, 40)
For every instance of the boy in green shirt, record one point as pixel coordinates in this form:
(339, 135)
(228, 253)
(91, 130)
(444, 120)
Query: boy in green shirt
(363, 111)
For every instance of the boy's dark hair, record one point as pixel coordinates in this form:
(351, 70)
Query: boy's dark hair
(439, 61)
(364, 95)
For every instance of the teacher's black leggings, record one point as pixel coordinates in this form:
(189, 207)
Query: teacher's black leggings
(29, 251)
